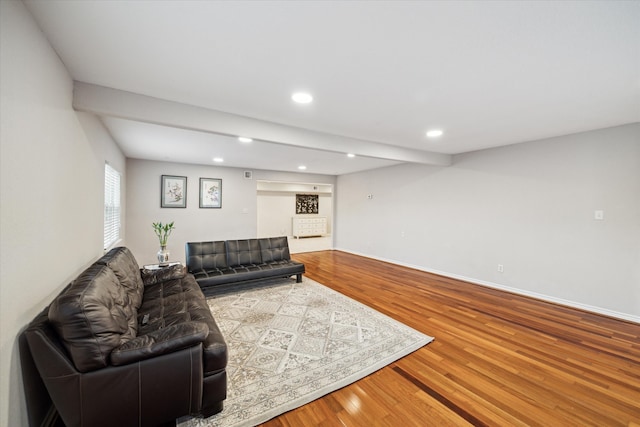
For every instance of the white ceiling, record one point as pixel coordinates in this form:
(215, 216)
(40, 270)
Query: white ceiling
(487, 73)
(156, 142)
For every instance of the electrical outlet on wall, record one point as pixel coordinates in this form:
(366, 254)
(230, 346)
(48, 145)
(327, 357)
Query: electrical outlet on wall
(500, 268)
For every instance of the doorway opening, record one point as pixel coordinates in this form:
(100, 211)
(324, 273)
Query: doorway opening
(279, 213)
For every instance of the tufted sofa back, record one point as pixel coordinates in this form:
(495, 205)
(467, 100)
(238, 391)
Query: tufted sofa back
(243, 252)
(97, 312)
(206, 255)
(274, 249)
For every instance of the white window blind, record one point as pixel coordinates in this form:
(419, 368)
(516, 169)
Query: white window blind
(111, 206)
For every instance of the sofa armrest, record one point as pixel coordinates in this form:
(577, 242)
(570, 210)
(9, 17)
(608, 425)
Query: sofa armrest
(162, 341)
(152, 277)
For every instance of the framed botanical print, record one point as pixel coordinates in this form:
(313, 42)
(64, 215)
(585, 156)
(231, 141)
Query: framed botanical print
(210, 193)
(173, 191)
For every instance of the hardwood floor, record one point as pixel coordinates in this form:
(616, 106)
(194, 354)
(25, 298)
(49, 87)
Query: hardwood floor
(498, 359)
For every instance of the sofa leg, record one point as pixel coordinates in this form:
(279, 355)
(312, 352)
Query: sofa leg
(212, 410)
(299, 278)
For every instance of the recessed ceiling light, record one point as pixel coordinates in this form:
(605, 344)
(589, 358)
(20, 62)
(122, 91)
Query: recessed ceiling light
(351, 155)
(302, 97)
(244, 139)
(434, 133)
(302, 167)
(218, 159)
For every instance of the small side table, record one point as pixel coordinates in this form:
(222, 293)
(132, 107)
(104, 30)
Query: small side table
(153, 267)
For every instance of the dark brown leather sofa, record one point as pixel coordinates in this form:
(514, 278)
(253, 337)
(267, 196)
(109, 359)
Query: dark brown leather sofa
(234, 261)
(122, 346)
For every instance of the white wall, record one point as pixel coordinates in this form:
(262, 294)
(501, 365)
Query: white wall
(52, 189)
(237, 219)
(529, 207)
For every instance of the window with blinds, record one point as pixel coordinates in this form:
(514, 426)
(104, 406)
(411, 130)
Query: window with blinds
(111, 206)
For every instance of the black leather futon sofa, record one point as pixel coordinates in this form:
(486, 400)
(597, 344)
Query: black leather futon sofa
(234, 261)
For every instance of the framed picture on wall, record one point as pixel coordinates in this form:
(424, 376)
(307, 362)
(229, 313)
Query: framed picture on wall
(307, 204)
(173, 191)
(210, 193)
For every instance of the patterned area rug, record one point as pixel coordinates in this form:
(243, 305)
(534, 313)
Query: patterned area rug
(291, 343)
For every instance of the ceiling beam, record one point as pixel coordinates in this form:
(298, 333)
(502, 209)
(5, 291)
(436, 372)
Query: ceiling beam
(105, 101)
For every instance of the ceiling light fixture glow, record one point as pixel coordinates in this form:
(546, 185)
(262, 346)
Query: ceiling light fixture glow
(351, 155)
(218, 159)
(302, 97)
(244, 139)
(434, 133)
(302, 167)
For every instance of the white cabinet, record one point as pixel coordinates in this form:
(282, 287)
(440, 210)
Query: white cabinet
(309, 225)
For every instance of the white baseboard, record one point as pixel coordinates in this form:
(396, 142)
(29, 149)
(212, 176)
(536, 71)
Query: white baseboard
(547, 298)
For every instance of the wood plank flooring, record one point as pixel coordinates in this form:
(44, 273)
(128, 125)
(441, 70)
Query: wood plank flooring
(498, 359)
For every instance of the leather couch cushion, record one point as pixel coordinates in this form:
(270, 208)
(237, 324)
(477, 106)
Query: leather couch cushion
(243, 252)
(178, 301)
(229, 276)
(126, 268)
(159, 342)
(93, 316)
(274, 249)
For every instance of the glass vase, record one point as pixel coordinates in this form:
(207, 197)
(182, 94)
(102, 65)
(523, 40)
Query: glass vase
(163, 255)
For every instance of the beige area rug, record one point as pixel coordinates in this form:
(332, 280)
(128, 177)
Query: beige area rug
(291, 343)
